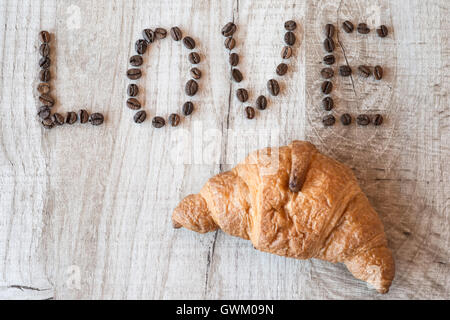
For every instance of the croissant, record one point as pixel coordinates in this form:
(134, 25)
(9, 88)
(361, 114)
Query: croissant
(329, 218)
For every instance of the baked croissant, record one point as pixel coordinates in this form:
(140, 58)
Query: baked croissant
(329, 219)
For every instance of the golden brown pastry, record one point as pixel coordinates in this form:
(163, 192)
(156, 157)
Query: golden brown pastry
(329, 219)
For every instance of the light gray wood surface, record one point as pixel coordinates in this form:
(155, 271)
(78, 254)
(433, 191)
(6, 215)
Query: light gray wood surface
(85, 212)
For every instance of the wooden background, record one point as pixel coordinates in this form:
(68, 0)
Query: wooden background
(85, 212)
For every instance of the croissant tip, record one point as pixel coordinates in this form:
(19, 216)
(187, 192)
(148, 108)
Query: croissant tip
(176, 225)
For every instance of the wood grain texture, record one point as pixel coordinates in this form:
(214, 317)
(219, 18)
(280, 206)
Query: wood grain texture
(85, 212)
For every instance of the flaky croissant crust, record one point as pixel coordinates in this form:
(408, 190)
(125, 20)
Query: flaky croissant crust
(329, 219)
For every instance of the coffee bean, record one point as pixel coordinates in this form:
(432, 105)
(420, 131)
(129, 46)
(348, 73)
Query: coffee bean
(327, 86)
(378, 120)
(286, 53)
(44, 49)
(158, 122)
(273, 87)
(47, 123)
(363, 119)
(71, 117)
(140, 46)
(230, 43)
(136, 61)
(363, 28)
(194, 58)
(382, 31)
(83, 115)
(133, 104)
(328, 103)
(229, 29)
(289, 38)
(44, 36)
(328, 45)
(44, 112)
(329, 59)
(237, 75)
(133, 90)
(44, 75)
(364, 71)
(96, 119)
(191, 88)
(290, 25)
(188, 108)
(58, 119)
(282, 68)
(189, 43)
(346, 119)
(134, 74)
(250, 112)
(261, 103)
(348, 26)
(242, 94)
(160, 33)
(196, 73)
(378, 72)
(43, 88)
(140, 116)
(328, 120)
(46, 100)
(174, 120)
(176, 33)
(345, 71)
(234, 59)
(44, 62)
(327, 73)
(148, 35)
(329, 30)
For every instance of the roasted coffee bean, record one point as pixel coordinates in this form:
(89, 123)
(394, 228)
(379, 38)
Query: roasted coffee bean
(363, 28)
(133, 90)
(230, 43)
(44, 36)
(47, 123)
(346, 119)
(43, 88)
(189, 43)
(290, 25)
(141, 46)
(44, 49)
(71, 117)
(44, 62)
(250, 112)
(282, 68)
(188, 108)
(378, 72)
(44, 112)
(140, 116)
(83, 115)
(174, 120)
(158, 122)
(229, 29)
(328, 103)
(382, 31)
(345, 71)
(328, 45)
(261, 103)
(286, 53)
(327, 86)
(96, 119)
(364, 71)
(46, 100)
(329, 30)
(242, 94)
(378, 120)
(176, 33)
(134, 74)
(160, 33)
(329, 59)
(237, 75)
(328, 120)
(58, 119)
(273, 87)
(136, 61)
(327, 73)
(44, 75)
(289, 38)
(234, 59)
(133, 104)
(148, 35)
(196, 73)
(363, 119)
(194, 58)
(191, 87)
(348, 26)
